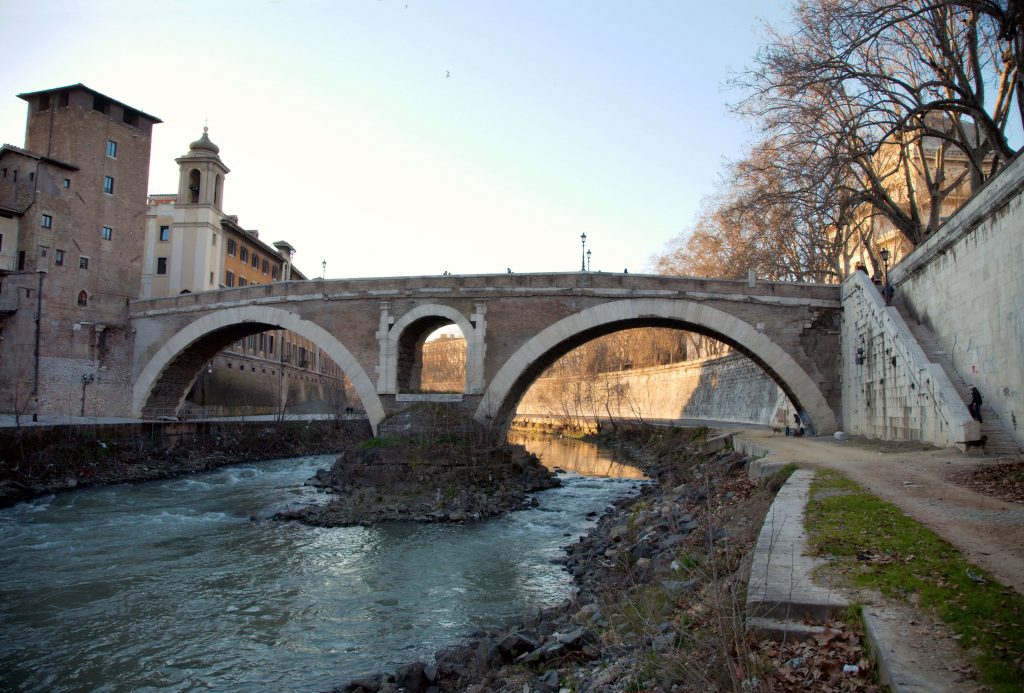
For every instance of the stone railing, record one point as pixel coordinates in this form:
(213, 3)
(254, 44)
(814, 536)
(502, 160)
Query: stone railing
(890, 389)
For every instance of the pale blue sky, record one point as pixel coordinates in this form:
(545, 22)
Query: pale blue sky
(395, 138)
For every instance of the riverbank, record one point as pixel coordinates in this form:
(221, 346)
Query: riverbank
(658, 606)
(41, 460)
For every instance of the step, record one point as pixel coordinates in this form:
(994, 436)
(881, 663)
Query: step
(1000, 442)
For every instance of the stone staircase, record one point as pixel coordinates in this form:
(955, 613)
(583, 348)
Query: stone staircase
(1000, 442)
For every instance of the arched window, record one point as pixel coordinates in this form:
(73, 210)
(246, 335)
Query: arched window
(216, 190)
(193, 186)
(83, 298)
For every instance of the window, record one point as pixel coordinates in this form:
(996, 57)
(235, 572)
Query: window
(112, 149)
(161, 265)
(43, 251)
(44, 102)
(107, 233)
(213, 239)
(266, 266)
(67, 183)
(211, 278)
(270, 346)
(165, 233)
(275, 272)
(229, 278)
(231, 246)
(255, 261)
(31, 175)
(108, 185)
(83, 262)
(193, 186)
(262, 338)
(58, 257)
(242, 281)
(243, 254)
(83, 298)
(21, 260)
(47, 221)
(1, 242)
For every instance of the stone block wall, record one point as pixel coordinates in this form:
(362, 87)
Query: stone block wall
(966, 284)
(728, 388)
(890, 389)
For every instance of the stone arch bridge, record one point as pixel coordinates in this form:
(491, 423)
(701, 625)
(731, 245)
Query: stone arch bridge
(515, 325)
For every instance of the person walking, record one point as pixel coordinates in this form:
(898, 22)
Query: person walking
(975, 405)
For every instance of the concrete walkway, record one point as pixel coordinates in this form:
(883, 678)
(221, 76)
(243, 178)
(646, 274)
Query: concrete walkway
(915, 653)
(922, 483)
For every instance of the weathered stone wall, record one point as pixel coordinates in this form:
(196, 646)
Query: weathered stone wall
(966, 283)
(727, 388)
(890, 389)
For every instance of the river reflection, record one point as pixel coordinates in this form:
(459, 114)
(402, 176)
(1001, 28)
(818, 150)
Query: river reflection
(576, 456)
(171, 586)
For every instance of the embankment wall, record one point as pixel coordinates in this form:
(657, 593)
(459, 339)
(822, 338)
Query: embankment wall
(966, 284)
(890, 388)
(727, 388)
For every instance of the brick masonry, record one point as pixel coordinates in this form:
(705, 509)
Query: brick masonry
(519, 324)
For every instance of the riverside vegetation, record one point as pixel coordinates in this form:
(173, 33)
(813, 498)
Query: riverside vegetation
(660, 588)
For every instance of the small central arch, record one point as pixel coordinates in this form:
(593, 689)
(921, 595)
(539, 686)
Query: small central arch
(401, 347)
(510, 383)
(164, 381)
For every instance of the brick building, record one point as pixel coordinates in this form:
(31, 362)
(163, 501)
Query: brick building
(72, 234)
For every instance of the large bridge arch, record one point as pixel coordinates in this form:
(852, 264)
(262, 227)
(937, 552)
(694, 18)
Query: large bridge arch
(511, 381)
(256, 319)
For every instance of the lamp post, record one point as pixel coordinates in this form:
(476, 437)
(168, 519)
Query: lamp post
(588, 260)
(206, 373)
(583, 256)
(887, 290)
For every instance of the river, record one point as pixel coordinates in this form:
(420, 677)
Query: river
(185, 585)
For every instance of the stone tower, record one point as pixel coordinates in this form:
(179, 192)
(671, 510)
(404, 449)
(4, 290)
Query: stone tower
(75, 196)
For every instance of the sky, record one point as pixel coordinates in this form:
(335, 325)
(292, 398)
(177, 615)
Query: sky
(414, 137)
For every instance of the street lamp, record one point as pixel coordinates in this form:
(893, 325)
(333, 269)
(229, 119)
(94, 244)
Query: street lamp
(324, 265)
(583, 256)
(887, 290)
(588, 260)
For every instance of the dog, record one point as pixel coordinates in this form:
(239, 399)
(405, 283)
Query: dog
(979, 443)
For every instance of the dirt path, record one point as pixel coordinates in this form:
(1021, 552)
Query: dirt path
(988, 531)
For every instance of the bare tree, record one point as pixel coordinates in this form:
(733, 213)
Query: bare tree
(899, 105)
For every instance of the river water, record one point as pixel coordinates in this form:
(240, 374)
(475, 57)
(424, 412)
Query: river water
(180, 585)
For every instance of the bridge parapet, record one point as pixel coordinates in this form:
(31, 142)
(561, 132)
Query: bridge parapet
(601, 284)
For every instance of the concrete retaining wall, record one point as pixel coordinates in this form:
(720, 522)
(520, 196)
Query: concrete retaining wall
(890, 390)
(729, 388)
(966, 284)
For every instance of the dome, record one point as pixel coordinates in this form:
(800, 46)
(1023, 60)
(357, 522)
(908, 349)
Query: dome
(204, 143)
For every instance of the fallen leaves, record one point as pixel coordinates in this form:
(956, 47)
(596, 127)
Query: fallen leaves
(831, 661)
(1004, 481)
